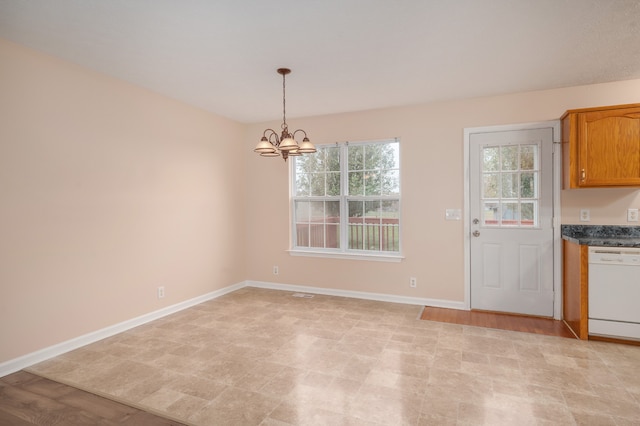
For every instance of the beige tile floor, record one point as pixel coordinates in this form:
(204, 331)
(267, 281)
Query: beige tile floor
(263, 357)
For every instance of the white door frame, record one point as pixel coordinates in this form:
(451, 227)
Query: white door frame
(557, 186)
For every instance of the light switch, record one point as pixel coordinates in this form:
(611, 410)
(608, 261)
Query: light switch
(453, 214)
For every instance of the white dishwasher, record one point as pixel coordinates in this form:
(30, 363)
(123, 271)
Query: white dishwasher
(614, 292)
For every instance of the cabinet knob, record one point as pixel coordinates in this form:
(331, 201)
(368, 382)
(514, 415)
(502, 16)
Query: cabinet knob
(583, 174)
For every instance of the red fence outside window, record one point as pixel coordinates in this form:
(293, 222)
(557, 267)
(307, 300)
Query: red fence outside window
(375, 234)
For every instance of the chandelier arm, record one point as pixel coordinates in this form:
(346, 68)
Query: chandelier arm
(299, 130)
(272, 133)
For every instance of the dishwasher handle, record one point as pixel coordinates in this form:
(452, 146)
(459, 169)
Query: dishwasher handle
(607, 260)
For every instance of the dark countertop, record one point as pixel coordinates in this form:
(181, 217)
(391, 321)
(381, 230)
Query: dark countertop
(602, 235)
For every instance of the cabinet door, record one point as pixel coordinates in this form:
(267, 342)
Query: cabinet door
(575, 285)
(609, 152)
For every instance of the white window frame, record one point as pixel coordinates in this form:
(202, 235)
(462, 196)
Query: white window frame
(344, 252)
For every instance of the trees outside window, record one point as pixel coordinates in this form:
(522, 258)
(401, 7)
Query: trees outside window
(346, 198)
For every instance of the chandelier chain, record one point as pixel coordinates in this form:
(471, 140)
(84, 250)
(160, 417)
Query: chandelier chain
(284, 103)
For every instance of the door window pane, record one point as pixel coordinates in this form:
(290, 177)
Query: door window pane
(509, 157)
(490, 185)
(490, 214)
(510, 185)
(529, 157)
(491, 159)
(510, 214)
(528, 185)
(528, 213)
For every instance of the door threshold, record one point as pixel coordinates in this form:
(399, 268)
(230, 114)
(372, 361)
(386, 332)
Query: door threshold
(499, 320)
(515, 314)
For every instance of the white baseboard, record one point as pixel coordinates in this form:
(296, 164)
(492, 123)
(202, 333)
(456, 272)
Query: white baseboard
(27, 360)
(438, 303)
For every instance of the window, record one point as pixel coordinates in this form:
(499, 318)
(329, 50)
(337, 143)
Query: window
(510, 177)
(346, 199)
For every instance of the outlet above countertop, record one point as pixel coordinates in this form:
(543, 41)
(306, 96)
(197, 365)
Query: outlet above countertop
(602, 235)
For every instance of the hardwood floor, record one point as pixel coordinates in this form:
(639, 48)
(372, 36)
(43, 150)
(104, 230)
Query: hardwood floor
(27, 399)
(500, 321)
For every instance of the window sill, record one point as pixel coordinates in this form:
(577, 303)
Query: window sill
(350, 256)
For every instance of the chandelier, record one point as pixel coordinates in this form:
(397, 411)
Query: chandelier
(285, 145)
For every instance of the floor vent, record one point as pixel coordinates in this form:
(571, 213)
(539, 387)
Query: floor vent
(303, 295)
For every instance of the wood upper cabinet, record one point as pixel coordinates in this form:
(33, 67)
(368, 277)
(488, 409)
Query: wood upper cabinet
(601, 147)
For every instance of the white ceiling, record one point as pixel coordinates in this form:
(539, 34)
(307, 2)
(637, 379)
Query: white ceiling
(346, 55)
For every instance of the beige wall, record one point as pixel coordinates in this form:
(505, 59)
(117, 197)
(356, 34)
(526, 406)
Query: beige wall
(107, 191)
(432, 181)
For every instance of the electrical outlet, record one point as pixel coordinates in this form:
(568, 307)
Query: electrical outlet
(160, 292)
(632, 215)
(276, 271)
(413, 282)
(585, 215)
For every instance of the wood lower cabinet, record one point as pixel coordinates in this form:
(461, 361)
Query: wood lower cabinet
(575, 287)
(601, 146)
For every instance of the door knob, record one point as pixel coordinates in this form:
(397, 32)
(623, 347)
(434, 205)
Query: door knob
(476, 233)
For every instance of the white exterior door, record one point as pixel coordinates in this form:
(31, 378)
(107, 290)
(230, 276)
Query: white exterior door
(511, 213)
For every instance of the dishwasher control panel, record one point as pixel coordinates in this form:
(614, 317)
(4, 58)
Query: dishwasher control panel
(615, 255)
